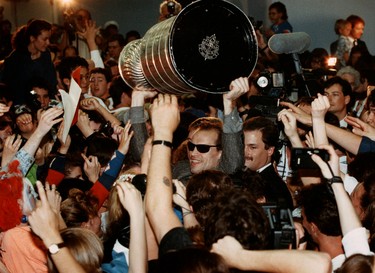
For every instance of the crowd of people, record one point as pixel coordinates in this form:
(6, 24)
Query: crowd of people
(152, 182)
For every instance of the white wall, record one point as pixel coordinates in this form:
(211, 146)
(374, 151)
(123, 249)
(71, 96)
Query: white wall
(316, 17)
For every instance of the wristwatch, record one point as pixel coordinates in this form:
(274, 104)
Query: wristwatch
(54, 248)
(335, 179)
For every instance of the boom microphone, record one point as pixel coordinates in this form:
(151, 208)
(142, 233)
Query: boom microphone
(286, 43)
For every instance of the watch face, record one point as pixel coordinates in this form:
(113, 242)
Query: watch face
(53, 249)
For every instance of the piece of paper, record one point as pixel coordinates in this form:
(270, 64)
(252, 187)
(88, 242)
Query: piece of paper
(70, 102)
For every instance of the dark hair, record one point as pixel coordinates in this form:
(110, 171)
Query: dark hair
(35, 27)
(320, 208)
(369, 195)
(192, 260)
(280, 7)
(235, 213)
(39, 82)
(270, 134)
(103, 71)
(362, 166)
(355, 19)
(202, 189)
(117, 37)
(371, 100)
(102, 147)
(345, 86)
(117, 87)
(21, 39)
(68, 64)
(69, 47)
(357, 263)
(132, 33)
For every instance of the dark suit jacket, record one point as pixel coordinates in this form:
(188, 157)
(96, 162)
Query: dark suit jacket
(275, 188)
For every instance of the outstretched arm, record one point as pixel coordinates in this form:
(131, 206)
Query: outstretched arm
(131, 200)
(165, 119)
(275, 261)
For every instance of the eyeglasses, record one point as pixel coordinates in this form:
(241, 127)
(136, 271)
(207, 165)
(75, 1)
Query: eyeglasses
(202, 148)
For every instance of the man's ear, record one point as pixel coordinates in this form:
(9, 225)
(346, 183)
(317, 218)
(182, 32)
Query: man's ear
(271, 150)
(347, 99)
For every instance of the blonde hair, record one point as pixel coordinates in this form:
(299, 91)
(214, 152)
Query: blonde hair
(85, 246)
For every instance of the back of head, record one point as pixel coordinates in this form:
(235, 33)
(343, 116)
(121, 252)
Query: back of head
(85, 246)
(357, 263)
(192, 260)
(118, 86)
(320, 208)
(350, 70)
(78, 208)
(235, 213)
(202, 189)
(102, 147)
(117, 37)
(362, 166)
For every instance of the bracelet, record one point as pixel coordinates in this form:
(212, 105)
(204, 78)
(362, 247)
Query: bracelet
(163, 142)
(186, 213)
(335, 179)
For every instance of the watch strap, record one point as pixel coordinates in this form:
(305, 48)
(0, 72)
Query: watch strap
(335, 179)
(55, 248)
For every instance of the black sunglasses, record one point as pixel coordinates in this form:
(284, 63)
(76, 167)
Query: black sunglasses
(202, 148)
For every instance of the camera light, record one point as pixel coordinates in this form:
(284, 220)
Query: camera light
(332, 61)
(262, 82)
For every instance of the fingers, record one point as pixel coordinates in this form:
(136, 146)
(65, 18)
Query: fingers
(42, 193)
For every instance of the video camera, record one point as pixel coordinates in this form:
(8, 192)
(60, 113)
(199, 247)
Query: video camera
(283, 234)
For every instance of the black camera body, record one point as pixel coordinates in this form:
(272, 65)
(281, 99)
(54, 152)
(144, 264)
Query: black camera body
(283, 233)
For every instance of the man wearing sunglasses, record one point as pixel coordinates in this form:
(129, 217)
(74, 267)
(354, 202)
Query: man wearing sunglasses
(210, 142)
(261, 137)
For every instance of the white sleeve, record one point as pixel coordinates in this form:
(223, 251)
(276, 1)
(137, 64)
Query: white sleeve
(355, 242)
(96, 58)
(350, 183)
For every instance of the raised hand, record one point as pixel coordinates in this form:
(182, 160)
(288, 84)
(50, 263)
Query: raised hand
(165, 116)
(319, 107)
(300, 115)
(333, 162)
(91, 167)
(130, 198)
(89, 104)
(64, 145)
(49, 118)
(361, 128)
(43, 220)
(237, 88)
(11, 146)
(3, 109)
(125, 138)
